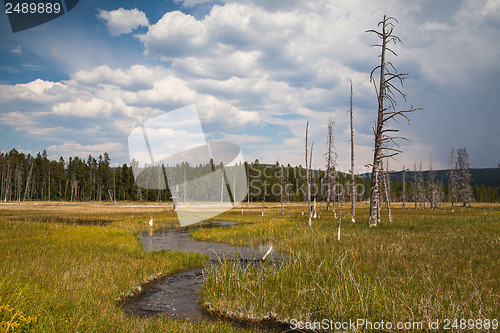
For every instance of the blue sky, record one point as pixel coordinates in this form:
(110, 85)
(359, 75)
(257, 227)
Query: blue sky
(257, 71)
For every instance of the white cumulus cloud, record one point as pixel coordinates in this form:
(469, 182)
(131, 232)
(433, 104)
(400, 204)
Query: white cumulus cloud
(136, 77)
(84, 108)
(123, 21)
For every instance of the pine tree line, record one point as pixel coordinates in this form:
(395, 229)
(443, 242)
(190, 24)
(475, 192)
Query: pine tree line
(24, 177)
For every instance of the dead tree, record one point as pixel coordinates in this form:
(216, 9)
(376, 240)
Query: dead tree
(340, 218)
(308, 183)
(378, 198)
(386, 92)
(353, 184)
(312, 210)
(330, 166)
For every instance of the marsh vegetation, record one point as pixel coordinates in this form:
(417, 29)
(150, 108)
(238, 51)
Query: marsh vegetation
(426, 265)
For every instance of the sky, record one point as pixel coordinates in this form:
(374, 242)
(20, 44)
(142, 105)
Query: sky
(256, 70)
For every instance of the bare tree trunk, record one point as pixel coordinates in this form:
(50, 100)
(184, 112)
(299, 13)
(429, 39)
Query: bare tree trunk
(330, 166)
(314, 213)
(375, 187)
(308, 180)
(379, 196)
(385, 92)
(340, 219)
(353, 184)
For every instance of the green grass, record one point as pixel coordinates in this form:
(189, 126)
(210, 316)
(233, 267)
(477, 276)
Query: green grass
(70, 276)
(422, 267)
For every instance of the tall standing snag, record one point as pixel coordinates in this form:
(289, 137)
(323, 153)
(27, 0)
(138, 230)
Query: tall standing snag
(330, 167)
(353, 185)
(308, 179)
(312, 208)
(386, 92)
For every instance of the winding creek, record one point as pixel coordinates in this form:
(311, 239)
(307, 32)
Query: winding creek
(177, 295)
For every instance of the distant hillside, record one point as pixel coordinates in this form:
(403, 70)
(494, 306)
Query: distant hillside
(489, 177)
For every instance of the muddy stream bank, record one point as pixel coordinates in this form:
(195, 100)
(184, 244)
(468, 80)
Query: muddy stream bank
(177, 294)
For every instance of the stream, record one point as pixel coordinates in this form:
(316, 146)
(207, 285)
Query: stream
(177, 294)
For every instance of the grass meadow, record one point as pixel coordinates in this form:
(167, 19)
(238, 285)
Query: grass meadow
(64, 266)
